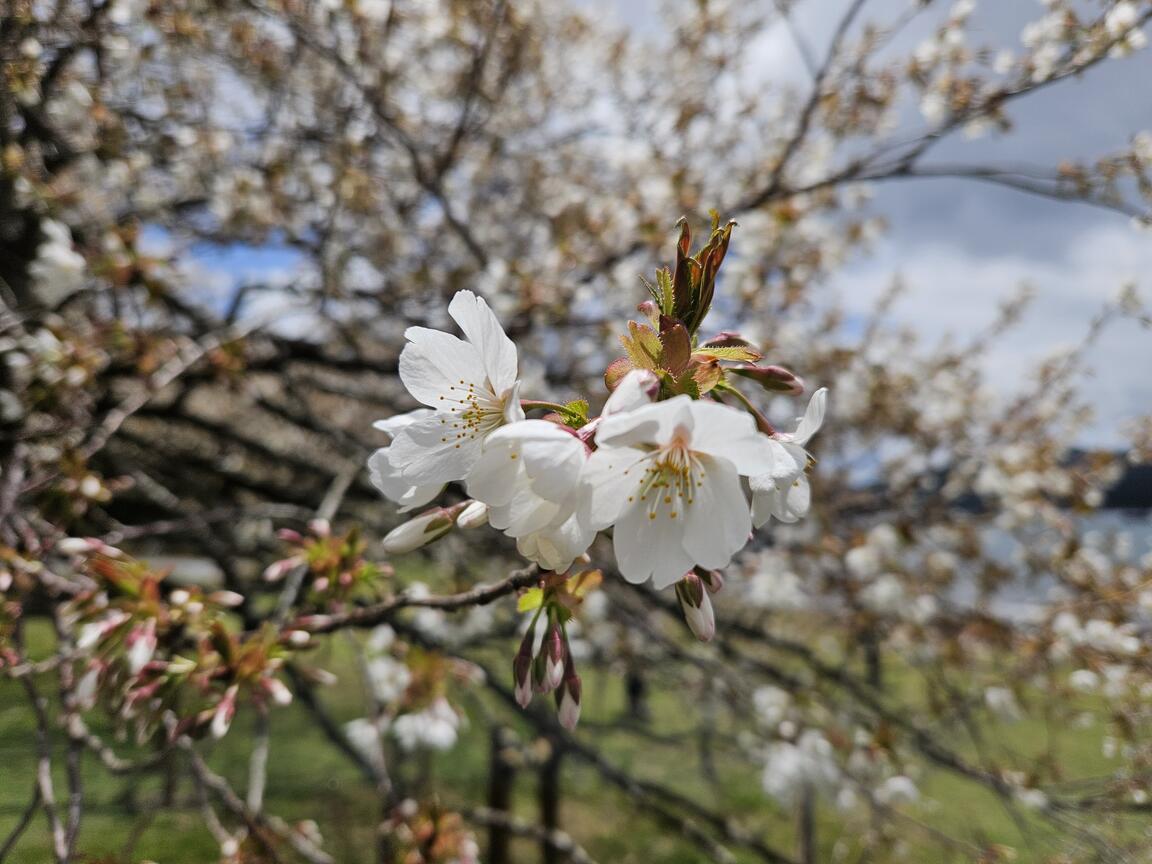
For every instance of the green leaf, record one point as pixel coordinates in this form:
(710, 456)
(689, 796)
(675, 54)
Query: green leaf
(735, 353)
(531, 599)
(575, 413)
(642, 346)
(707, 376)
(667, 298)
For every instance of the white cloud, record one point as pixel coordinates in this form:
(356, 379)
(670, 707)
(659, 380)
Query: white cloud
(954, 292)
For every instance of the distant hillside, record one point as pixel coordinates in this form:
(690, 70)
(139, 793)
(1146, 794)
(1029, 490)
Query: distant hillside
(1133, 491)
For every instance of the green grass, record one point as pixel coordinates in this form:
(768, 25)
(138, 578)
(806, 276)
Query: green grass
(309, 779)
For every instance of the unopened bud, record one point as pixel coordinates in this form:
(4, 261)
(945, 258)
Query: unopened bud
(86, 546)
(74, 546)
(777, 379)
(522, 678)
(554, 656)
(225, 711)
(474, 515)
(568, 700)
(228, 599)
(314, 622)
(697, 607)
(713, 579)
(277, 691)
(277, 570)
(141, 643)
(418, 532)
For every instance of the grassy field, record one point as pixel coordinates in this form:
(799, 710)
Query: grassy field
(308, 778)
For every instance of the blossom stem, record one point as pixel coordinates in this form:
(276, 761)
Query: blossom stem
(530, 404)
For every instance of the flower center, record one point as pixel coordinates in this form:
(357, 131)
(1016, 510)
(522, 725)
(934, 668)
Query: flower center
(670, 479)
(477, 411)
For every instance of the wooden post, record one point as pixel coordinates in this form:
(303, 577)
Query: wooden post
(550, 801)
(501, 774)
(807, 825)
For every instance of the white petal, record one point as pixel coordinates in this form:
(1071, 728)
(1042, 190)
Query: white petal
(428, 453)
(528, 512)
(648, 424)
(764, 503)
(392, 425)
(435, 366)
(513, 412)
(731, 434)
(498, 472)
(718, 522)
(813, 417)
(794, 502)
(635, 390)
(386, 477)
(497, 352)
(557, 546)
(610, 476)
(647, 547)
(553, 459)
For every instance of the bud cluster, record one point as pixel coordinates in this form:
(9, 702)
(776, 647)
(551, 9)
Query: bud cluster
(336, 572)
(149, 651)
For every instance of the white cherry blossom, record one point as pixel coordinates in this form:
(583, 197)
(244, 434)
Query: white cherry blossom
(786, 495)
(667, 476)
(528, 474)
(469, 383)
(385, 474)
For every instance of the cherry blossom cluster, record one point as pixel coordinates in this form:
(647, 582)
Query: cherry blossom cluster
(679, 466)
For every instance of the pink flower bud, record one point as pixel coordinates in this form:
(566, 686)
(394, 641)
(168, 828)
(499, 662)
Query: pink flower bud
(555, 656)
(568, 701)
(774, 378)
(277, 570)
(713, 579)
(314, 622)
(227, 599)
(522, 678)
(277, 691)
(225, 711)
(92, 633)
(141, 643)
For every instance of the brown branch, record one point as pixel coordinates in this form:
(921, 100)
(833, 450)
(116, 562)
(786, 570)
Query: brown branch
(481, 595)
(256, 822)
